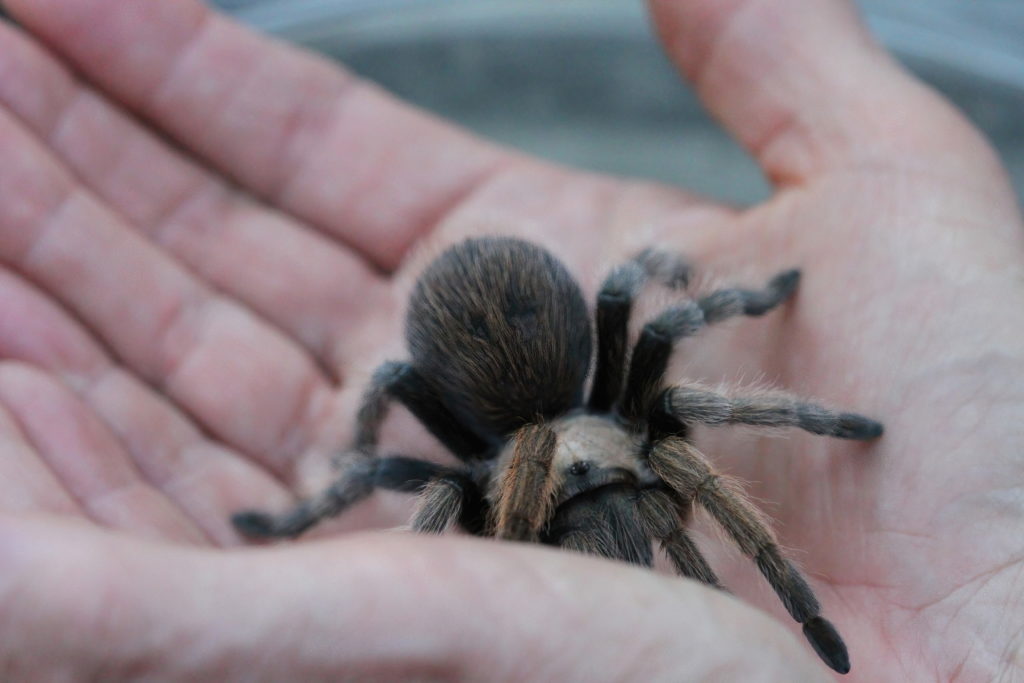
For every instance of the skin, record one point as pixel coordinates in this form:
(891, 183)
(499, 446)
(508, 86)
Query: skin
(206, 242)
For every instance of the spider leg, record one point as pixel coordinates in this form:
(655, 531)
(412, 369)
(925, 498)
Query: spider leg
(361, 472)
(663, 518)
(603, 522)
(658, 337)
(729, 302)
(450, 499)
(687, 472)
(360, 475)
(614, 305)
(593, 540)
(526, 491)
(689, 404)
(402, 382)
(667, 268)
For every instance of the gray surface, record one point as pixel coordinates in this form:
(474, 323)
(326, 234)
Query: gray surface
(584, 82)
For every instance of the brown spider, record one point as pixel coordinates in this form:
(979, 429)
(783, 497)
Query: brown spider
(501, 347)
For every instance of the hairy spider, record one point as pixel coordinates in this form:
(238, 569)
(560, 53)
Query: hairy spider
(500, 339)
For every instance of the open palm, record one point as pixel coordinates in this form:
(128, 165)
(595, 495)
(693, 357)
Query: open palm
(185, 332)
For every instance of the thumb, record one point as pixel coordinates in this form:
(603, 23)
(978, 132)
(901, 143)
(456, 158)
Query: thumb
(807, 91)
(80, 601)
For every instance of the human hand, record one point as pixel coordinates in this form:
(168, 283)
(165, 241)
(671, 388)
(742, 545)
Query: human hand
(179, 350)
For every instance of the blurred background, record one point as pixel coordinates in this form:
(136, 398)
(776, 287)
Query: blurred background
(584, 82)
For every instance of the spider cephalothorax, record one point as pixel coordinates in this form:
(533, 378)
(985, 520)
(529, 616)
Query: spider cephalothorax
(500, 340)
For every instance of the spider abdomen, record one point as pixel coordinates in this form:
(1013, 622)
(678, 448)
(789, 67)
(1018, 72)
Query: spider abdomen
(500, 328)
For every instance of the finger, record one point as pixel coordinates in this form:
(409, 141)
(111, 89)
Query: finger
(289, 126)
(312, 287)
(237, 376)
(87, 459)
(395, 609)
(807, 91)
(27, 485)
(206, 480)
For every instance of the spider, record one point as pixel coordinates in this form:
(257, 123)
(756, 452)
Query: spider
(501, 340)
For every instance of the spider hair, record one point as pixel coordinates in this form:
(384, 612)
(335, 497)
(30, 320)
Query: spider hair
(500, 343)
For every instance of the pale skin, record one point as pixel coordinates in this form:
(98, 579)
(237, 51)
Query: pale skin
(174, 349)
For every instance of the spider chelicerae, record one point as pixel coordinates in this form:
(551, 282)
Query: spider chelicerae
(500, 340)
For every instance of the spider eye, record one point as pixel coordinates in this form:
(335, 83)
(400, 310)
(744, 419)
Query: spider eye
(580, 467)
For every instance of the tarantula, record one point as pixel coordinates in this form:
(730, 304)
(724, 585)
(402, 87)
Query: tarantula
(500, 339)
